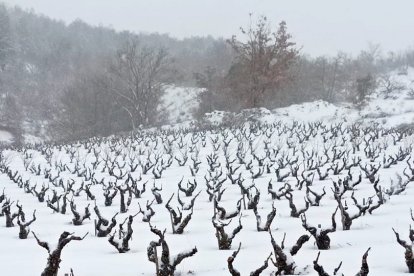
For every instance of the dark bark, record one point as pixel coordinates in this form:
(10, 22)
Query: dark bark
(54, 259)
(122, 245)
(168, 265)
(224, 240)
(321, 236)
(24, 230)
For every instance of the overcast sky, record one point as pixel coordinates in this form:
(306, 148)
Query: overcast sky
(319, 26)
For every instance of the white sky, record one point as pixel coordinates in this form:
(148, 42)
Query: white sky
(319, 26)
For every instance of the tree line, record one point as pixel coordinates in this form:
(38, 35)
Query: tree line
(71, 81)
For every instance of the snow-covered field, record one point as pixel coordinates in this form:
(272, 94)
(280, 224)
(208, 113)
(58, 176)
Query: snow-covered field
(282, 146)
(274, 145)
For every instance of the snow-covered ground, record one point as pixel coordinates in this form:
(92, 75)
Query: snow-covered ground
(95, 256)
(179, 103)
(5, 137)
(387, 109)
(280, 140)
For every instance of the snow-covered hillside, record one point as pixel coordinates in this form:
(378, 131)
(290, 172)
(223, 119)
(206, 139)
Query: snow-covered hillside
(248, 169)
(179, 103)
(389, 109)
(5, 137)
(262, 170)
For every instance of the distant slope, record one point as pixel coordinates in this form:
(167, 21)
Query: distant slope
(389, 109)
(178, 103)
(5, 137)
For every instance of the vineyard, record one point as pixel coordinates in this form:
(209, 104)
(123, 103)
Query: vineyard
(281, 198)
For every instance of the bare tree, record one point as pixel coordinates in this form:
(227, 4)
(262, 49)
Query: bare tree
(364, 87)
(388, 85)
(139, 79)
